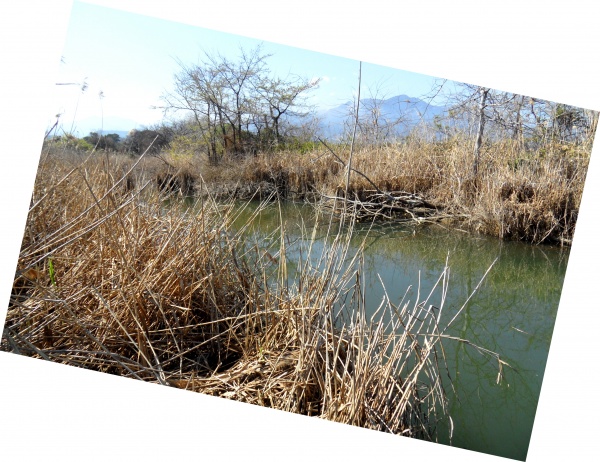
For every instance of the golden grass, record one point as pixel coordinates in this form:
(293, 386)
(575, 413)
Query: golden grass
(531, 196)
(110, 279)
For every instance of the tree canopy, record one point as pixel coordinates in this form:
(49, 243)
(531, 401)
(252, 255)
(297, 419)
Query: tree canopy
(238, 106)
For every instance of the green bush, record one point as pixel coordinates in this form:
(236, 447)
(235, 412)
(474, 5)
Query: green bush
(71, 142)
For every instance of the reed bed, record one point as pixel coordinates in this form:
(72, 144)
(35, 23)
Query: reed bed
(110, 279)
(517, 194)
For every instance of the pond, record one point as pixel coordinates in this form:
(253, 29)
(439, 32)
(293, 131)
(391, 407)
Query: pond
(512, 313)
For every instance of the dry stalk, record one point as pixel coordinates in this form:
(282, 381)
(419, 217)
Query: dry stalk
(173, 296)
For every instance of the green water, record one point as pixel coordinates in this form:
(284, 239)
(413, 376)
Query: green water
(512, 313)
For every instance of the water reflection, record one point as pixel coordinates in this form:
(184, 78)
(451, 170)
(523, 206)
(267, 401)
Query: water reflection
(512, 313)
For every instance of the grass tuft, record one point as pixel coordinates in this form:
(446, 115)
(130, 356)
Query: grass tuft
(111, 279)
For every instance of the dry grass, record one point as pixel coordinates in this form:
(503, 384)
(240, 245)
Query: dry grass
(111, 280)
(531, 196)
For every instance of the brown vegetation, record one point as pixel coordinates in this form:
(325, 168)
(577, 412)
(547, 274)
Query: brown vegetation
(109, 279)
(530, 196)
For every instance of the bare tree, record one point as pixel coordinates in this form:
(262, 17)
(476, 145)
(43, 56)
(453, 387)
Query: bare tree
(531, 122)
(234, 103)
(377, 125)
(282, 97)
(484, 93)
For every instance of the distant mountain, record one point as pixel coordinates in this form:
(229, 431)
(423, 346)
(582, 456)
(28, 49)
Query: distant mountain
(400, 113)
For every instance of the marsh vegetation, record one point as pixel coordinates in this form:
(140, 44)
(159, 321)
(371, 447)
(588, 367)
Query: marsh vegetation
(493, 162)
(141, 258)
(274, 304)
(111, 279)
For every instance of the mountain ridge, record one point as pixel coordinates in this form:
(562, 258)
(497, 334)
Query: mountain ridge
(399, 114)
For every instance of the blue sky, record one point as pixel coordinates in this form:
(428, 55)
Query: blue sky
(131, 59)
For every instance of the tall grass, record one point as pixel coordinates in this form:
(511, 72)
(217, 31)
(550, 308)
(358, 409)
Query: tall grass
(518, 194)
(110, 279)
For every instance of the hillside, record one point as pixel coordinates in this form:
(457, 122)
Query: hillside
(398, 114)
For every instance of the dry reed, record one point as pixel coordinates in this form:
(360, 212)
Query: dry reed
(110, 279)
(530, 196)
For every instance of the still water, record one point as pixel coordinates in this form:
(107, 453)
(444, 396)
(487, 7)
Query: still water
(512, 313)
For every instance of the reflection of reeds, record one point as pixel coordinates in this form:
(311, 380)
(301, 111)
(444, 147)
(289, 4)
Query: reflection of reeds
(518, 194)
(111, 282)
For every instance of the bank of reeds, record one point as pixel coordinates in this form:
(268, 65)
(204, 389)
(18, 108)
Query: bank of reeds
(532, 196)
(110, 279)
(517, 194)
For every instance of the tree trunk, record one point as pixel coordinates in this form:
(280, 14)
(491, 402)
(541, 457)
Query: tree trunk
(479, 139)
(593, 117)
(518, 130)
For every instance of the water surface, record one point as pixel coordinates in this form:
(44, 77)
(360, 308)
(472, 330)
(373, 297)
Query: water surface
(512, 313)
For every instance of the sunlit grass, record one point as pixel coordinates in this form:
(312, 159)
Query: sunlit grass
(109, 278)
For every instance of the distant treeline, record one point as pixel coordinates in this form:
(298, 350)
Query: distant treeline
(238, 108)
